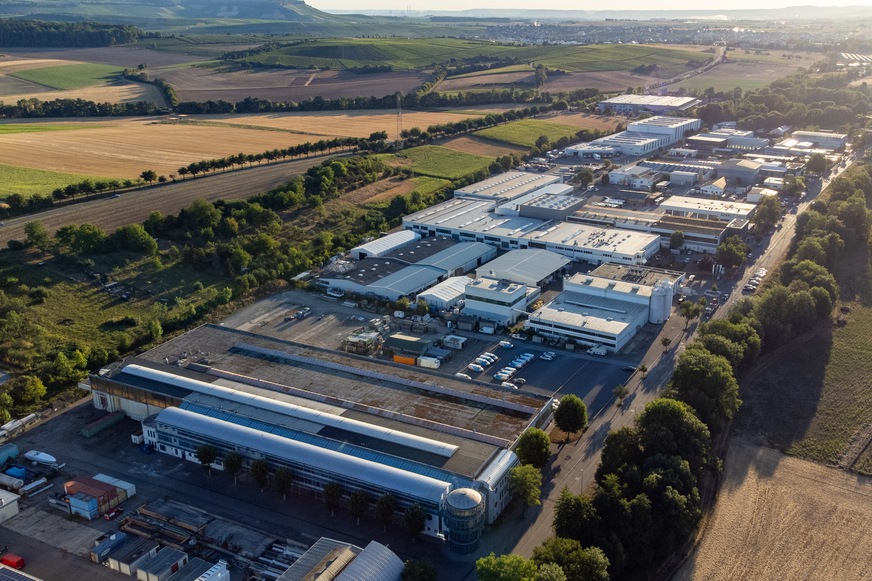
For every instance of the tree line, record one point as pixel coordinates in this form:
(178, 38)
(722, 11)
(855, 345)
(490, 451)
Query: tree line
(20, 33)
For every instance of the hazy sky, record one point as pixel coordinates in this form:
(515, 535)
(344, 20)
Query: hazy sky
(574, 4)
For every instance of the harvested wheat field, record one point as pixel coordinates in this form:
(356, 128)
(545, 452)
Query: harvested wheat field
(477, 146)
(587, 121)
(779, 517)
(118, 92)
(343, 123)
(125, 147)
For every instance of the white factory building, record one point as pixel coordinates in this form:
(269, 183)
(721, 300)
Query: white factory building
(530, 267)
(641, 137)
(608, 306)
(635, 176)
(501, 302)
(705, 209)
(822, 139)
(756, 195)
(507, 186)
(634, 104)
(384, 245)
(447, 294)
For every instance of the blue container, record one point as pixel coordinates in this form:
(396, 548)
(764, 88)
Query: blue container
(17, 472)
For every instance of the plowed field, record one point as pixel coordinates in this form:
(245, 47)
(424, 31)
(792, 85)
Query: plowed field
(779, 517)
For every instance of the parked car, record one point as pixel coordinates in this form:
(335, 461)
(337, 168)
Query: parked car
(546, 357)
(483, 362)
(506, 344)
(509, 385)
(519, 381)
(630, 368)
(462, 375)
(501, 376)
(475, 367)
(725, 296)
(518, 336)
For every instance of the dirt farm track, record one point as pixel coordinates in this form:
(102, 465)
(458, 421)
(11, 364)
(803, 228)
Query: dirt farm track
(135, 206)
(779, 517)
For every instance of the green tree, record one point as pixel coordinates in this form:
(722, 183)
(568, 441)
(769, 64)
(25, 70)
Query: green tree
(676, 239)
(669, 427)
(583, 178)
(578, 563)
(148, 176)
(505, 568)
(206, 455)
(571, 415)
(419, 570)
(666, 342)
(575, 518)
(534, 447)
(6, 404)
(816, 163)
(550, 572)
(414, 521)
(644, 370)
(732, 252)
(767, 214)
(283, 479)
(36, 235)
(332, 496)
(706, 383)
(385, 508)
(233, 462)
(155, 330)
(133, 238)
(525, 483)
(359, 504)
(259, 470)
(26, 389)
(689, 310)
(620, 392)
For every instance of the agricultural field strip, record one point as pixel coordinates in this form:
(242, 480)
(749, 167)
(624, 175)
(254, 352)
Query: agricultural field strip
(499, 71)
(71, 76)
(249, 126)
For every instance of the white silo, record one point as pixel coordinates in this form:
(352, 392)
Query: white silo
(661, 303)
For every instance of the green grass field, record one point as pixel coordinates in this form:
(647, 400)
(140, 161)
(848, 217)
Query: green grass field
(527, 131)
(67, 77)
(426, 185)
(422, 53)
(703, 82)
(438, 162)
(521, 68)
(27, 181)
(10, 128)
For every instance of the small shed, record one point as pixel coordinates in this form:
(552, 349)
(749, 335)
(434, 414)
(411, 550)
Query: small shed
(162, 565)
(8, 505)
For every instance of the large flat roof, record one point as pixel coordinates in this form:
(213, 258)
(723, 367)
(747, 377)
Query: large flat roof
(637, 275)
(507, 186)
(651, 100)
(660, 121)
(478, 419)
(524, 266)
(590, 313)
(687, 204)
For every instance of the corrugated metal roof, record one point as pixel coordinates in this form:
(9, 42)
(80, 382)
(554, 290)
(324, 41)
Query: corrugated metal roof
(385, 244)
(496, 470)
(524, 266)
(314, 557)
(375, 563)
(327, 461)
(458, 255)
(309, 415)
(408, 280)
(448, 291)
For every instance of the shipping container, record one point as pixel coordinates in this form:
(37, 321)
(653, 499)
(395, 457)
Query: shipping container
(128, 489)
(404, 360)
(8, 452)
(98, 426)
(104, 547)
(429, 362)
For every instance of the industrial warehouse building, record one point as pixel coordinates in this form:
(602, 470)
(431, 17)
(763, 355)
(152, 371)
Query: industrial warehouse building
(514, 227)
(822, 139)
(641, 137)
(608, 306)
(635, 104)
(704, 209)
(406, 269)
(328, 417)
(529, 267)
(740, 171)
(447, 294)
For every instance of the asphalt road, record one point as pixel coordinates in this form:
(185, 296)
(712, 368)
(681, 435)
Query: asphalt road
(133, 207)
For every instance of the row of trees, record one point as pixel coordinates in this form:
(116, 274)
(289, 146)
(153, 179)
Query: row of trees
(334, 495)
(19, 33)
